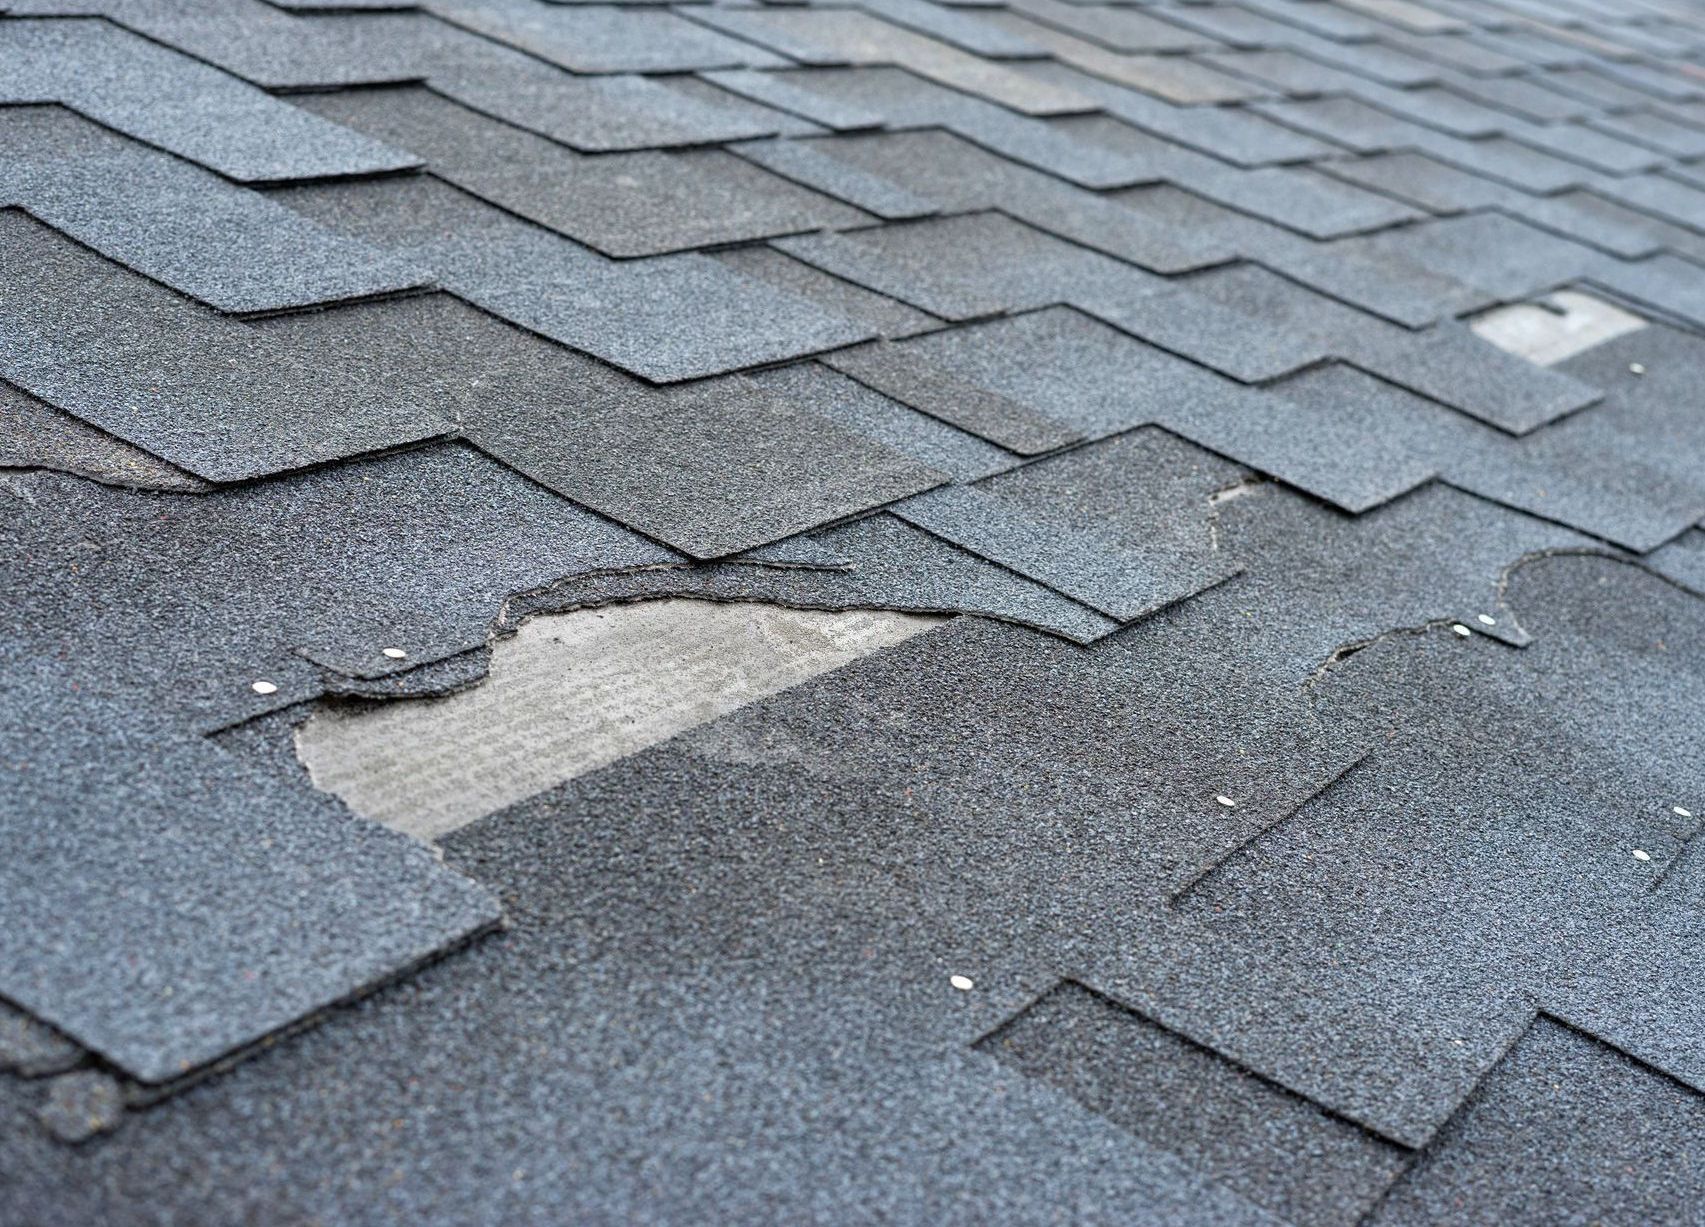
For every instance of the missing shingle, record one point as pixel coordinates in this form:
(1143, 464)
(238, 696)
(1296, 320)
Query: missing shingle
(1556, 327)
(573, 692)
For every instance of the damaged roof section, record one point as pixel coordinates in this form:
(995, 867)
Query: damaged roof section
(1231, 389)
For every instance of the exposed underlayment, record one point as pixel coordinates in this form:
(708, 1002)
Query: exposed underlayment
(570, 693)
(1556, 327)
(475, 478)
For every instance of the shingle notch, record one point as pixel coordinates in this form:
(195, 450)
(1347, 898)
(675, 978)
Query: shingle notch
(711, 467)
(1270, 1144)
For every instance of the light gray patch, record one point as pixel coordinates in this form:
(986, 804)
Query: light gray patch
(573, 692)
(1556, 327)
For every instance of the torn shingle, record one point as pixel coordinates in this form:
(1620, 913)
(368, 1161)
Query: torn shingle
(1302, 743)
(36, 435)
(32, 1049)
(80, 1105)
(656, 669)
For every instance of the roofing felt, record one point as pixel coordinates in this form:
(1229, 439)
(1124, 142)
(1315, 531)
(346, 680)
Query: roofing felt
(1288, 412)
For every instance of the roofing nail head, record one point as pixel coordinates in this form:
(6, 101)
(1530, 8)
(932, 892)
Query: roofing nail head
(1487, 620)
(394, 653)
(1460, 629)
(1640, 854)
(1637, 368)
(263, 687)
(963, 983)
(1680, 811)
(1226, 801)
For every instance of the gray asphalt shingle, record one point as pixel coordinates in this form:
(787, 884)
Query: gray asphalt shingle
(1282, 413)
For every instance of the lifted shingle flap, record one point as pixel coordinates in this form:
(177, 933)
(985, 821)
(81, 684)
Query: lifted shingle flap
(166, 906)
(34, 434)
(1303, 767)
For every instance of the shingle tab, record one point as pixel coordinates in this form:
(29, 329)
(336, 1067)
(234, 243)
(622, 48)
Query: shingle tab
(155, 214)
(1280, 414)
(637, 204)
(166, 99)
(220, 401)
(845, 36)
(634, 314)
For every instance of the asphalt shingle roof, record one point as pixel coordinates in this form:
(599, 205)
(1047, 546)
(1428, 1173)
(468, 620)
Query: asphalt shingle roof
(1289, 409)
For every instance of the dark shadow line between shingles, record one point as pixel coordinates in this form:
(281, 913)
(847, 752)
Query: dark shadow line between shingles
(106, 18)
(252, 184)
(453, 291)
(1438, 1139)
(147, 1094)
(1175, 898)
(1463, 1106)
(1623, 559)
(241, 317)
(498, 40)
(989, 1038)
(139, 1095)
(671, 147)
(1686, 854)
(814, 604)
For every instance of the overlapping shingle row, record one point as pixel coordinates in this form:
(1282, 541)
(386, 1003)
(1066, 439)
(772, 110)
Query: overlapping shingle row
(335, 327)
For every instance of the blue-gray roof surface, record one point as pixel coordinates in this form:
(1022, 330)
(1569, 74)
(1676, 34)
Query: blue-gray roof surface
(1308, 772)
